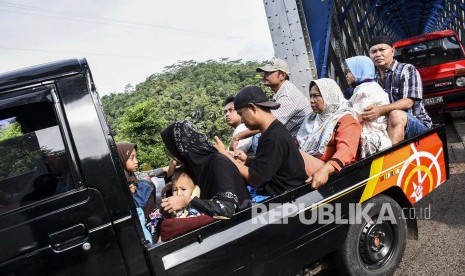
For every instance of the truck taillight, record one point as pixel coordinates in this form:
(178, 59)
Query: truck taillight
(460, 82)
(459, 71)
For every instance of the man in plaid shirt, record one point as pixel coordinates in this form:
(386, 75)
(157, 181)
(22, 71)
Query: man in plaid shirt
(406, 113)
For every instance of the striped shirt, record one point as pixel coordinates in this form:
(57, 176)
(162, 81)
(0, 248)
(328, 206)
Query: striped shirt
(294, 107)
(402, 80)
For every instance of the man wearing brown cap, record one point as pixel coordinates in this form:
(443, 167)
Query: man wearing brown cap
(406, 113)
(278, 165)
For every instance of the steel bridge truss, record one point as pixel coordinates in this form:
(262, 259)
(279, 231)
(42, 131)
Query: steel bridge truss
(316, 36)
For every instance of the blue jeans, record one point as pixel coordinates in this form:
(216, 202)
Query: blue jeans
(414, 126)
(255, 195)
(147, 235)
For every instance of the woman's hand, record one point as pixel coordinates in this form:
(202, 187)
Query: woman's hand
(174, 204)
(170, 168)
(240, 155)
(320, 177)
(132, 188)
(219, 146)
(233, 144)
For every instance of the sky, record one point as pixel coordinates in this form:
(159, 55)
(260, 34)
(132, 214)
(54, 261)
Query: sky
(125, 41)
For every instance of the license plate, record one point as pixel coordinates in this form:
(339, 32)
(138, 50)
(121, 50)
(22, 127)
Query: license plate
(433, 100)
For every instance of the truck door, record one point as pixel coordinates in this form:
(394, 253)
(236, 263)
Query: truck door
(50, 224)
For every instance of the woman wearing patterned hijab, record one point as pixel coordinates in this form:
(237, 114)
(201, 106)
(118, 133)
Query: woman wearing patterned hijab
(330, 133)
(223, 190)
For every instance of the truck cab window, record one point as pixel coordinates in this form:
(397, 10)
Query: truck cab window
(430, 53)
(33, 163)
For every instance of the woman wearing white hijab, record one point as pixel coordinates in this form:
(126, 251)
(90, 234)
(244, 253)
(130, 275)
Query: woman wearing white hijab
(368, 92)
(330, 133)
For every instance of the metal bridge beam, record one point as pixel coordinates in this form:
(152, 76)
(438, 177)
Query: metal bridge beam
(336, 29)
(291, 42)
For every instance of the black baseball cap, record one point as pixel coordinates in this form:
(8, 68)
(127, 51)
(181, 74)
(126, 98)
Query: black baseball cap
(253, 95)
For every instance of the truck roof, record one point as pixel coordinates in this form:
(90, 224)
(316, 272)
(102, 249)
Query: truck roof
(42, 72)
(423, 37)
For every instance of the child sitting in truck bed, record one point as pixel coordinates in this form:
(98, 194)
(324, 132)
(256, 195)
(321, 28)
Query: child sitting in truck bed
(142, 191)
(182, 185)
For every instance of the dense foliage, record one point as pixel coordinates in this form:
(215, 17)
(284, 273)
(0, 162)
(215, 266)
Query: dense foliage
(10, 131)
(21, 151)
(187, 90)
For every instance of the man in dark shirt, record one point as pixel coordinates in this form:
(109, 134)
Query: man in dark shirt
(278, 165)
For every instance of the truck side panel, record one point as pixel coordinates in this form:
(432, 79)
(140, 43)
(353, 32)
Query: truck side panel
(265, 238)
(50, 222)
(416, 168)
(100, 167)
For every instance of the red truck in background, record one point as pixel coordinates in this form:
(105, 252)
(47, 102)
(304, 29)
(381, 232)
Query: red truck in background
(440, 59)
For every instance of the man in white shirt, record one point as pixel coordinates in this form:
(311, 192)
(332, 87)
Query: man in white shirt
(234, 120)
(295, 107)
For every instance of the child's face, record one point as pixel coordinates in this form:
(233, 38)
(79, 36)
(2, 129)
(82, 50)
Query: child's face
(183, 186)
(132, 164)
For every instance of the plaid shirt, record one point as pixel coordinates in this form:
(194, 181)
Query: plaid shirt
(294, 107)
(402, 80)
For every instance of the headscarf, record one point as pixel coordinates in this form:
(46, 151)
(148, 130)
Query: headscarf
(214, 173)
(124, 151)
(144, 192)
(374, 135)
(317, 129)
(362, 68)
(188, 145)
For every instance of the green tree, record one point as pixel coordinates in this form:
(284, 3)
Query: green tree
(142, 125)
(21, 151)
(186, 90)
(10, 131)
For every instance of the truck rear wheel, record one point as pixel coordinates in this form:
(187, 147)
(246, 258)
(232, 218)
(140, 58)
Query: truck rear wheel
(374, 247)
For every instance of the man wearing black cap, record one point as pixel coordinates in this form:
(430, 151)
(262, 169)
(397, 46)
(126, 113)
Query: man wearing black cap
(406, 113)
(278, 165)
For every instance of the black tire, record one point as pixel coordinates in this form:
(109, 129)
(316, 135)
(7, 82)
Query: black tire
(374, 248)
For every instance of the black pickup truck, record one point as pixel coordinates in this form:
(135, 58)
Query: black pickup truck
(65, 208)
